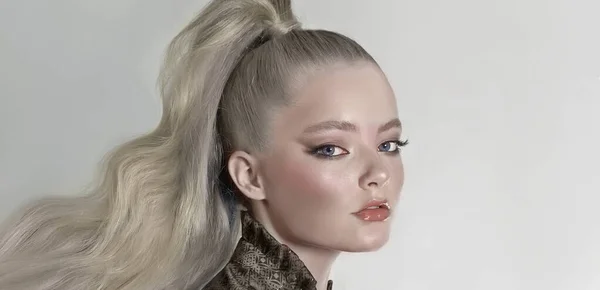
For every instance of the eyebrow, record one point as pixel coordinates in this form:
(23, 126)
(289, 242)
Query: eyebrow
(347, 126)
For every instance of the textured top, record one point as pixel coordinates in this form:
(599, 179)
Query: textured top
(260, 262)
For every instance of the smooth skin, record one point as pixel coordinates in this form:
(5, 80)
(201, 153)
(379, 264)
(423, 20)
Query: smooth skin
(334, 149)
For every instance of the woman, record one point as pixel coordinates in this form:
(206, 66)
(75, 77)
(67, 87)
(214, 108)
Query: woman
(286, 137)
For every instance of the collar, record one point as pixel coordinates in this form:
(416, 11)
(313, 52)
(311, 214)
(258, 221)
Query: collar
(259, 250)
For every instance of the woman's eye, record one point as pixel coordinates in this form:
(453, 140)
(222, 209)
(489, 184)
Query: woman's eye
(392, 146)
(330, 151)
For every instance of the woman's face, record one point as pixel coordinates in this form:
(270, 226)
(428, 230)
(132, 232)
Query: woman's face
(333, 151)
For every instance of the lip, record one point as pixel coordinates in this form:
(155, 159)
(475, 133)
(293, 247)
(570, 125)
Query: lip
(374, 211)
(376, 202)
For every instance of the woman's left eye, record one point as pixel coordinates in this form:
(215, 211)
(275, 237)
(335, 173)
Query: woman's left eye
(392, 146)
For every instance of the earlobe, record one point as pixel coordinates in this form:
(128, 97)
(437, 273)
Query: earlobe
(243, 170)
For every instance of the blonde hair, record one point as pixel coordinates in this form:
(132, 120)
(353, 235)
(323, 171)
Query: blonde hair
(162, 214)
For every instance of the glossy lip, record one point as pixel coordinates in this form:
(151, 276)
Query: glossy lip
(377, 203)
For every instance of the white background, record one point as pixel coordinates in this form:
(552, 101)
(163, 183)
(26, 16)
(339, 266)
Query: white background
(499, 99)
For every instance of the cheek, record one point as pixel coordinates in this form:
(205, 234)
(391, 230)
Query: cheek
(306, 181)
(397, 179)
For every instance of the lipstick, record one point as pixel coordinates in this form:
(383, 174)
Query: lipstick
(374, 211)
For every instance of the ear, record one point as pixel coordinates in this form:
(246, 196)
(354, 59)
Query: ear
(243, 170)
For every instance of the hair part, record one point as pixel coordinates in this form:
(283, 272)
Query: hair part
(162, 214)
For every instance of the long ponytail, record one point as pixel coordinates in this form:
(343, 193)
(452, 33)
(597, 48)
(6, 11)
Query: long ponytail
(157, 219)
(221, 34)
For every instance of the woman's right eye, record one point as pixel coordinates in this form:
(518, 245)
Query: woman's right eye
(329, 151)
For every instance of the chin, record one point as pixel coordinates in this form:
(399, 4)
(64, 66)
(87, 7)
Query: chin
(368, 243)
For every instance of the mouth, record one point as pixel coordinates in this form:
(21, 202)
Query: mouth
(375, 211)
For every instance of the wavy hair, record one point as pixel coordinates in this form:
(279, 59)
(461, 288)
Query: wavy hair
(162, 213)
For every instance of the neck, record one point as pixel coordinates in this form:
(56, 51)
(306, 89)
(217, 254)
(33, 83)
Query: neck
(317, 260)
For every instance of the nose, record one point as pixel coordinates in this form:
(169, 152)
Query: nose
(376, 175)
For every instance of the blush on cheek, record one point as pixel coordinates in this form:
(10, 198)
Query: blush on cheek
(302, 184)
(300, 178)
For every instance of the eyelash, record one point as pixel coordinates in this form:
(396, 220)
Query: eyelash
(317, 150)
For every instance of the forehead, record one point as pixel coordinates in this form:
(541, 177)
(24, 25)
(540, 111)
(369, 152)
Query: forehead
(357, 93)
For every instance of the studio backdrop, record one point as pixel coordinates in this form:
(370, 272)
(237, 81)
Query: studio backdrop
(500, 101)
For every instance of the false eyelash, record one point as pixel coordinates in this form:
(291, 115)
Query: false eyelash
(401, 143)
